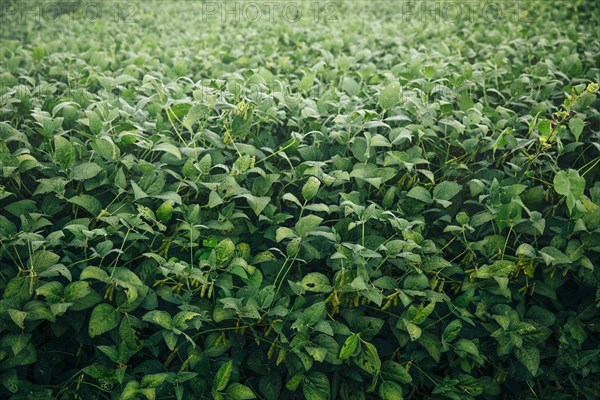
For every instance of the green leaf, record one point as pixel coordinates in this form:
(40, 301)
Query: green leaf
(284, 233)
(94, 122)
(432, 345)
(467, 346)
(316, 386)
(417, 315)
(350, 86)
(148, 393)
(445, 191)
(428, 71)
(154, 380)
(196, 112)
(500, 268)
(413, 330)
(360, 150)
(390, 95)
(120, 180)
(316, 282)
(94, 273)
(214, 199)
(293, 383)
(18, 317)
(88, 203)
(317, 353)
(529, 356)
(509, 215)
(53, 291)
(307, 81)
(64, 152)
(85, 171)
(464, 101)
(131, 390)
(103, 319)
(170, 339)
(368, 359)
(310, 188)
(308, 224)
(576, 126)
(138, 193)
(421, 194)
(10, 381)
(182, 318)
(20, 207)
(222, 377)
(257, 204)
(571, 185)
(314, 313)
(349, 347)
(107, 148)
(168, 148)
(390, 391)
(224, 251)
(452, 330)
(160, 318)
(391, 370)
(58, 309)
(42, 260)
(292, 198)
(237, 391)
(526, 250)
(416, 282)
(76, 290)
(545, 128)
(553, 256)
(165, 211)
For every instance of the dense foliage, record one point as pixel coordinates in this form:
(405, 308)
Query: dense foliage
(364, 202)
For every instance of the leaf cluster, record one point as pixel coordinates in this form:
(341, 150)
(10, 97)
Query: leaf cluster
(364, 210)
